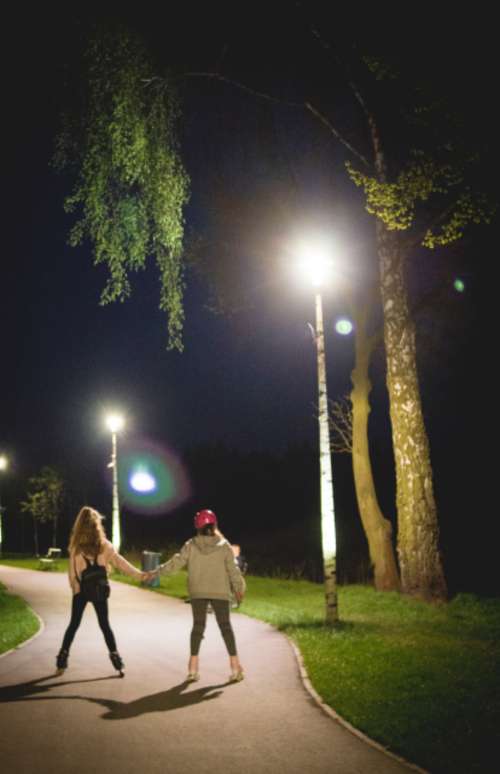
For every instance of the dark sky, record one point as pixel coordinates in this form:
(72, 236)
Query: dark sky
(247, 380)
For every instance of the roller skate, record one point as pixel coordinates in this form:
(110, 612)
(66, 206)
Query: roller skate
(117, 662)
(62, 661)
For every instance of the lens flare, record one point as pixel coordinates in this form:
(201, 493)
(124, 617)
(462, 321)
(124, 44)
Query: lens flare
(343, 326)
(142, 481)
(151, 478)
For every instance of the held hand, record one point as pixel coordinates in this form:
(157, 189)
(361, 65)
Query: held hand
(239, 596)
(151, 575)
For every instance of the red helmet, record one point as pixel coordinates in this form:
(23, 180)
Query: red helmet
(203, 518)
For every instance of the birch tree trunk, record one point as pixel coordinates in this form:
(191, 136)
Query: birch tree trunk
(377, 528)
(418, 532)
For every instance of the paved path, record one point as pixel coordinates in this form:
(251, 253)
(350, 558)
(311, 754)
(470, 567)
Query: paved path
(152, 721)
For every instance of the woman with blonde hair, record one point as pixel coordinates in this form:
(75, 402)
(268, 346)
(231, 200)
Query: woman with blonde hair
(90, 553)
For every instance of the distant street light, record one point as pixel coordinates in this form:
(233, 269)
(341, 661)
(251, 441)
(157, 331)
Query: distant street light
(115, 423)
(316, 264)
(4, 464)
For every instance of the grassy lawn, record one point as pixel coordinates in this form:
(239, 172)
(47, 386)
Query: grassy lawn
(17, 621)
(423, 680)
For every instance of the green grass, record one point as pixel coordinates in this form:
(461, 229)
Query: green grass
(17, 621)
(423, 680)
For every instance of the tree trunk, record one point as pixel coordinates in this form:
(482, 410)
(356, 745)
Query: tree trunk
(54, 532)
(378, 530)
(418, 531)
(35, 532)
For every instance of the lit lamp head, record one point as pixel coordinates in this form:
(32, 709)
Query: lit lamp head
(4, 462)
(315, 263)
(115, 422)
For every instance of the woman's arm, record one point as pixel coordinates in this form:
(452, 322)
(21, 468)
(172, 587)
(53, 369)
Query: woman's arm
(73, 580)
(176, 563)
(119, 561)
(236, 579)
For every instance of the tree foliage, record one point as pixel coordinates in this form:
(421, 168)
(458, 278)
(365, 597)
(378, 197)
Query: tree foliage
(44, 498)
(434, 183)
(130, 187)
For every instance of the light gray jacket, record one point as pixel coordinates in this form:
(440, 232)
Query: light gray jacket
(212, 570)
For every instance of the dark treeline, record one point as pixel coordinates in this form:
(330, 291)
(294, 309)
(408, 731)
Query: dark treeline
(269, 504)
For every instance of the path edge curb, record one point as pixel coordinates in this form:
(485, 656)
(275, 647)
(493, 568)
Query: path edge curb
(338, 718)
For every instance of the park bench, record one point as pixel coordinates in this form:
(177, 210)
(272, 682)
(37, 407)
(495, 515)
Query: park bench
(49, 561)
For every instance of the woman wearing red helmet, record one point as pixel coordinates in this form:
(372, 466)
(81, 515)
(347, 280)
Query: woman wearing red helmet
(213, 577)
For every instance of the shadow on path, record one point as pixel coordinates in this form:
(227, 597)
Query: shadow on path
(171, 699)
(28, 690)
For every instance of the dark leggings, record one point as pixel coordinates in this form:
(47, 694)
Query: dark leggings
(221, 609)
(101, 609)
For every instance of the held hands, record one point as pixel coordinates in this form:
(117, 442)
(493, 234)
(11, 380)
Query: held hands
(148, 576)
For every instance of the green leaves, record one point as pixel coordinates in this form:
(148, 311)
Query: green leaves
(44, 496)
(469, 208)
(130, 187)
(424, 179)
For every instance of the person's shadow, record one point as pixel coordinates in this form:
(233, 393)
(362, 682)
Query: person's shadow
(171, 699)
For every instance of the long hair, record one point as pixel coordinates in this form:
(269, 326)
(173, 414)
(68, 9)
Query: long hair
(87, 535)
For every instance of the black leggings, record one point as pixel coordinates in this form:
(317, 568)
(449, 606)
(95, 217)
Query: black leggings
(221, 609)
(77, 608)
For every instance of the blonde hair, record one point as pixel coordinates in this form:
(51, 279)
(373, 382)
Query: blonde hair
(87, 536)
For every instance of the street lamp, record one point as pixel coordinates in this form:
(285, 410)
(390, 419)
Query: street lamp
(115, 423)
(4, 464)
(316, 264)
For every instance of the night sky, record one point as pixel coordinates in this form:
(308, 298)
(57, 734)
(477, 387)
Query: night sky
(245, 380)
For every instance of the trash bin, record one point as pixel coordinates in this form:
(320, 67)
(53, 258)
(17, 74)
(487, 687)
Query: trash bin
(150, 561)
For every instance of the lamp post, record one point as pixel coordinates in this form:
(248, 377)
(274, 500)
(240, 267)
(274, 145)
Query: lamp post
(4, 464)
(317, 264)
(115, 423)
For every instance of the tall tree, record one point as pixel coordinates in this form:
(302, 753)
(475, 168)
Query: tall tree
(422, 191)
(120, 143)
(420, 169)
(349, 424)
(44, 501)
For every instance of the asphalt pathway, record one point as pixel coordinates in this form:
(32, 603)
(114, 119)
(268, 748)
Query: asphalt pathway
(90, 720)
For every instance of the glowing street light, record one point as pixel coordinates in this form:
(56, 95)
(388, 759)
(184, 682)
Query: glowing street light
(4, 464)
(115, 423)
(315, 262)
